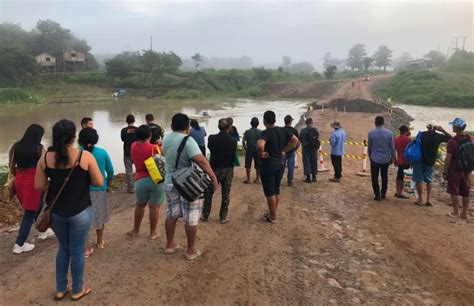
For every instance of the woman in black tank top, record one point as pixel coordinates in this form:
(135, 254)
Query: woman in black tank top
(71, 215)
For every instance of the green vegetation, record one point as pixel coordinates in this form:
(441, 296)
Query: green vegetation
(461, 61)
(3, 175)
(15, 95)
(429, 88)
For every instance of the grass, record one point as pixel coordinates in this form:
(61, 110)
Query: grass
(16, 95)
(429, 88)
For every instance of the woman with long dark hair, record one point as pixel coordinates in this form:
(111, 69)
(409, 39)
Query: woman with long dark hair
(71, 216)
(24, 155)
(199, 134)
(88, 139)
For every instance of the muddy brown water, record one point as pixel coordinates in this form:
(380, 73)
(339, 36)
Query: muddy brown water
(109, 118)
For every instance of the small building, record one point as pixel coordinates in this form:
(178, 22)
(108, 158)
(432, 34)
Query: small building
(46, 61)
(419, 64)
(73, 61)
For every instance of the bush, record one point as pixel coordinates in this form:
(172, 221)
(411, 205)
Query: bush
(183, 94)
(15, 95)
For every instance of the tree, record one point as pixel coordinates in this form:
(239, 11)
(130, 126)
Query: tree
(52, 38)
(286, 63)
(330, 72)
(118, 68)
(401, 62)
(262, 74)
(133, 59)
(327, 60)
(367, 62)
(17, 64)
(170, 62)
(355, 57)
(436, 58)
(91, 62)
(197, 60)
(302, 68)
(383, 57)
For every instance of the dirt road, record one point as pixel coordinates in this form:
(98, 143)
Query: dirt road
(332, 245)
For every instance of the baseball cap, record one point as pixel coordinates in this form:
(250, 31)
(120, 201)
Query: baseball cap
(458, 122)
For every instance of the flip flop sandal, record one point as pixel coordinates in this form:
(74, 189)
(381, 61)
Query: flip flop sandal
(451, 215)
(86, 291)
(87, 255)
(132, 234)
(419, 204)
(193, 257)
(428, 204)
(100, 246)
(61, 295)
(247, 182)
(172, 251)
(266, 218)
(152, 238)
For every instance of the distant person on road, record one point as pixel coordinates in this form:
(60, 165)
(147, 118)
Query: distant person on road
(222, 147)
(249, 143)
(72, 215)
(199, 134)
(290, 157)
(401, 142)
(88, 139)
(146, 191)
(423, 171)
(309, 137)
(381, 150)
(273, 144)
(157, 132)
(128, 135)
(338, 144)
(23, 157)
(87, 122)
(459, 152)
(178, 207)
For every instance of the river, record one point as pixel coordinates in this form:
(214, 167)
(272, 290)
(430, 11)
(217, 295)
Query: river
(424, 115)
(109, 118)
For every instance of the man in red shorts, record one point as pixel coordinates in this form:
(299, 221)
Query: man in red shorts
(459, 180)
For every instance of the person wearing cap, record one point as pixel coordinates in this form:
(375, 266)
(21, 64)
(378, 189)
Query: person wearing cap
(423, 170)
(309, 138)
(249, 143)
(401, 142)
(338, 143)
(459, 181)
(290, 156)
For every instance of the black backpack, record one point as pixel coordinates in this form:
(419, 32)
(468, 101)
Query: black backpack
(312, 139)
(465, 158)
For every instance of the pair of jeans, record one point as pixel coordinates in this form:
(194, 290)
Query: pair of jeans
(29, 218)
(224, 177)
(290, 163)
(375, 169)
(127, 160)
(310, 162)
(336, 161)
(71, 233)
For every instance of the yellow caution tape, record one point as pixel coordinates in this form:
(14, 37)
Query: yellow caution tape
(353, 143)
(350, 156)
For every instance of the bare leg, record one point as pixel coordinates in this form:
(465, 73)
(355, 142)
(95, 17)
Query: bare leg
(247, 172)
(258, 175)
(100, 235)
(429, 187)
(191, 232)
(154, 211)
(170, 227)
(455, 202)
(465, 207)
(139, 213)
(272, 207)
(88, 247)
(399, 187)
(419, 191)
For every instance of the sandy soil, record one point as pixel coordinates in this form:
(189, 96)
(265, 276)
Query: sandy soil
(332, 245)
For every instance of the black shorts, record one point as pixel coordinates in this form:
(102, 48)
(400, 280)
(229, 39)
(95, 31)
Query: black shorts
(401, 172)
(252, 155)
(271, 174)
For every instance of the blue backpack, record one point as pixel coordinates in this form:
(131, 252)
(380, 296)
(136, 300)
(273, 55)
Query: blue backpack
(412, 152)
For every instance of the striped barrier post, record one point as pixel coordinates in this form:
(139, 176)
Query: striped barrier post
(364, 171)
(321, 167)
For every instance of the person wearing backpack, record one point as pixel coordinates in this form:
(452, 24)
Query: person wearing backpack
(309, 138)
(458, 167)
(423, 170)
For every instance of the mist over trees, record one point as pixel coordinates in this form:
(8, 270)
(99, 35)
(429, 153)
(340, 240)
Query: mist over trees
(436, 58)
(355, 58)
(243, 62)
(383, 57)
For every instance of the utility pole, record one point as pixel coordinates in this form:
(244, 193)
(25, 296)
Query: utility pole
(463, 41)
(151, 42)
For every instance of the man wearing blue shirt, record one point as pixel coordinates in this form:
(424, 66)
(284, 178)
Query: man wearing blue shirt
(381, 153)
(337, 141)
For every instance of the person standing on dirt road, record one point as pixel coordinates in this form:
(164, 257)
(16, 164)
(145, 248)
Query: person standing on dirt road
(128, 136)
(401, 142)
(309, 137)
(423, 170)
(338, 143)
(249, 143)
(459, 179)
(222, 147)
(178, 207)
(381, 150)
(157, 132)
(290, 157)
(273, 144)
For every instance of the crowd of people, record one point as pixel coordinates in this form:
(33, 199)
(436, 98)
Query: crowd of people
(80, 177)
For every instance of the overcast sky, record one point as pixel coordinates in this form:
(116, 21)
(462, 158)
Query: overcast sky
(263, 30)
